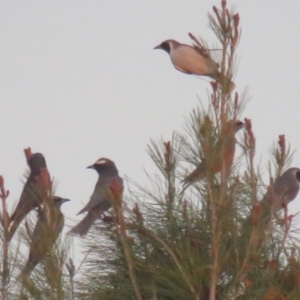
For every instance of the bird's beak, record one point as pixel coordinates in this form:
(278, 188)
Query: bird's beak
(241, 125)
(157, 47)
(65, 200)
(91, 167)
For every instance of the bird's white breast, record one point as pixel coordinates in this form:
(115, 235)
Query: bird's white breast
(187, 60)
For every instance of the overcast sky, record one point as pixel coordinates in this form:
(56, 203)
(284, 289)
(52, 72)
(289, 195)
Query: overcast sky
(79, 80)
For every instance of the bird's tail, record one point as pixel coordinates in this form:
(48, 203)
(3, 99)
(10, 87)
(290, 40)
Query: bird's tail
(197, 175)
(83, 226)
(14, 226)
(18, 216)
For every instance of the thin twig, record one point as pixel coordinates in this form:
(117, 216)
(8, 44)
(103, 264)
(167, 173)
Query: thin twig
(214, 246)
(117, 191)
(287, 225)
(71, 269)
(5, 223)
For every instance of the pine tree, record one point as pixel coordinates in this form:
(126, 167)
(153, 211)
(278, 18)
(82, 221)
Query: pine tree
(208, 227)
(199, 239)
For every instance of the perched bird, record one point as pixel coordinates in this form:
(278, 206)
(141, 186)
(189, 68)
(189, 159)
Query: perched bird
(47, 229)
(284, 190)
(279, 195)
(100, 200)
(222, 154)
(190, 60)
(31, 196)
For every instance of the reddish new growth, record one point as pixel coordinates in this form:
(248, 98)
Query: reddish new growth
(216, 11)
(206, 127)
(168, 147)
(281, 143)
(255, 214)
(224, 19)
(281, 153)
(199, 47)
(223, 3)
(250, 140)
(43, 180)
(44, 183)
(249, 131)
(116, 188)
(28, 153)
(236, 21)
(214, 86)
(236, 104)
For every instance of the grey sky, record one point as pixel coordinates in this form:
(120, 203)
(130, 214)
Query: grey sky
(80, 80)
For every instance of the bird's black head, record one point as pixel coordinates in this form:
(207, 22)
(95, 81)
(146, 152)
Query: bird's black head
(58, 201)
(104, 165)
(164, 46)
(36, 162)
(298, 175)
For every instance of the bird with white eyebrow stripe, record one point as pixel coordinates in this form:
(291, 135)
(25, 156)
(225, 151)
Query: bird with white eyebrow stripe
(100, 200)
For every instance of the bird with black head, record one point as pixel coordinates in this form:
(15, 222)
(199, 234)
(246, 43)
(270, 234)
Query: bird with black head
(102, 197)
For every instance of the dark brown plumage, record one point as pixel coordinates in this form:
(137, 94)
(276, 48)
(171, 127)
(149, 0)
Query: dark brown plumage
(101, 199)
(33, 191)
(47, 229)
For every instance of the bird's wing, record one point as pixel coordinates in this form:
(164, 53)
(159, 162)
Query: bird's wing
(186, 59)
(101, 197)
(197, 174)
(182, 70)
(279, 194)
(38, 240)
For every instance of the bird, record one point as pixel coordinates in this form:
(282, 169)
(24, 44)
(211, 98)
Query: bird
(279, 195)
(283, 191)
(31, 196)
(101, 199)
(222, 154)
(191, 60)
(47, 229)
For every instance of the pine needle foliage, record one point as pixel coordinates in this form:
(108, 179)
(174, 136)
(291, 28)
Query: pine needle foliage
(179, 239)
(202, 240)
